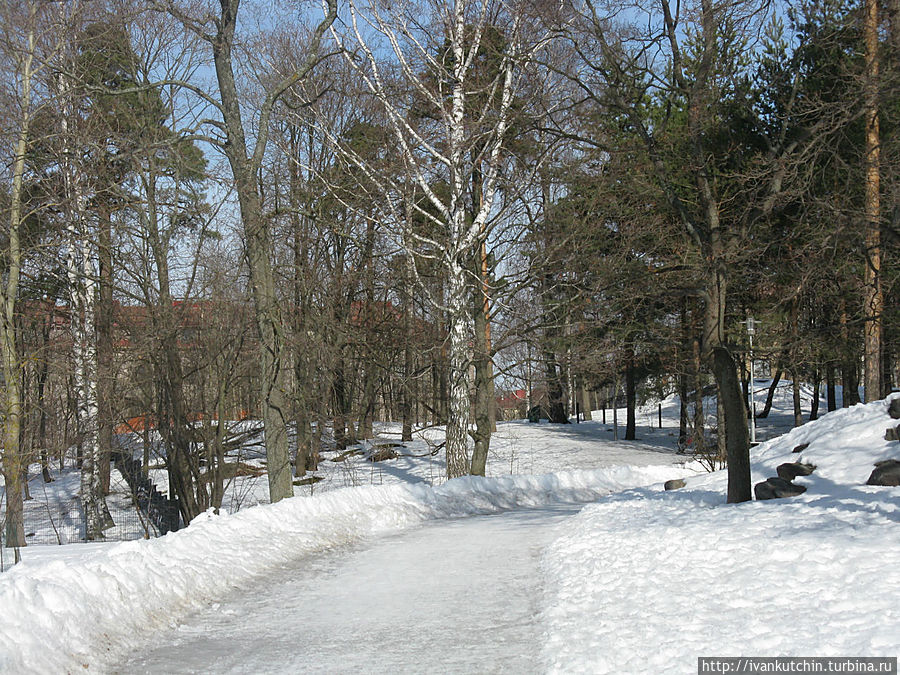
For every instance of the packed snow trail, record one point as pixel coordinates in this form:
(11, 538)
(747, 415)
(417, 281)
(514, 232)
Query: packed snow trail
(452, 596)
(87, 614)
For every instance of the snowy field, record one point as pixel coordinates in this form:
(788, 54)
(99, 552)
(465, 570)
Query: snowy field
(638, 581)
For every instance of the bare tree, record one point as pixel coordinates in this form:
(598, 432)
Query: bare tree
(218, 28)
(20, 45)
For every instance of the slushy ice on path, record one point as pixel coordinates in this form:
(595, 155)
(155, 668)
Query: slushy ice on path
(451, 596)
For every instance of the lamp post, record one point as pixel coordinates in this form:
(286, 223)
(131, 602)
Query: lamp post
(751, 331)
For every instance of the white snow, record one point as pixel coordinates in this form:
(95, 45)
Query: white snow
(448, 596)
(645, 582)
(640, 581)
(93, 608)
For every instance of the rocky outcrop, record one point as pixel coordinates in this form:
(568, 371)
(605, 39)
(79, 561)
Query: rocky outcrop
(780, 486)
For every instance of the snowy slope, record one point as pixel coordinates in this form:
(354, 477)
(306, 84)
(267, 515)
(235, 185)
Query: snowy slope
(646, 582)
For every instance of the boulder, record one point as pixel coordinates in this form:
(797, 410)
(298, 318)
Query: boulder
(674, 484)
(894, 408)
(886, 472)
(777, 488)
(801, 447)
(790, 470)
(892, 434)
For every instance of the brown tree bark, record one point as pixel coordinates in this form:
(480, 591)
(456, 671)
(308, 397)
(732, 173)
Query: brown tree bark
(873, 296)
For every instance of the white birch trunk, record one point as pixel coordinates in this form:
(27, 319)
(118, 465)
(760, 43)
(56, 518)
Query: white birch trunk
(463, 139)
(457, 447)
(81, 275)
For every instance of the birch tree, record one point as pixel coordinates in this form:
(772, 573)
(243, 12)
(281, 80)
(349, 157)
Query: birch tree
(81, 275)
(421, 62)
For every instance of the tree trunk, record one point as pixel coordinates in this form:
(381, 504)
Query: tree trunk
(873, 297)
(339, 403)
(301, 346)
(737, 438)
(699, 440)
(365, 429)
(684, 360)
(105, 374)
(795, 360)
(46, 325)
(814, 405)
(770, 395)
(737, 441)
(273, 378)
(458, 303)
(721, 449)
(171, 412)
(81, 276)
(483, 418)
(556, 389)
(406, 388)
(829, 387)
(585, 400)
(9, 291)
(849, 364)
(630, 397)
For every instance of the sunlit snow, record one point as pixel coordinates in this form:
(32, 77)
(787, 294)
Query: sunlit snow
(503, 574)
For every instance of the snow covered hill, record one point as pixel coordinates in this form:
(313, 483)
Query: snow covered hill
(646, 582)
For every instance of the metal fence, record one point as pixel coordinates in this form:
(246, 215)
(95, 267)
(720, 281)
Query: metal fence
(50, 519)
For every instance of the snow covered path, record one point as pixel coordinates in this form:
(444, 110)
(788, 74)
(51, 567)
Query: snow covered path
(451, 596)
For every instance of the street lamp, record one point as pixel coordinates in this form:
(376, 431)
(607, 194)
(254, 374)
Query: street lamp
(751, 331)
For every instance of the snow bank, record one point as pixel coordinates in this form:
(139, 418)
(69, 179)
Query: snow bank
(81, 614)
(647, 581)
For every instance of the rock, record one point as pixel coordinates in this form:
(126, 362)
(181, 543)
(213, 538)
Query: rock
(801, 447)
(892, 434)
(894, 408)
(886, 472)
(790, 470)
(777, 488)
(674, 484)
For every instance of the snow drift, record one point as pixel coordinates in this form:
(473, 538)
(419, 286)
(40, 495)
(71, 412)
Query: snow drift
(81, 615)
